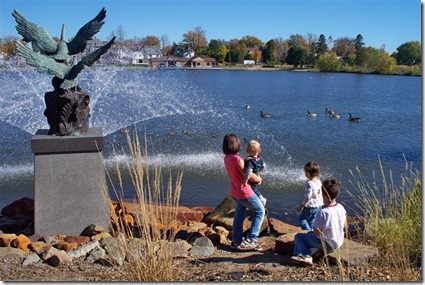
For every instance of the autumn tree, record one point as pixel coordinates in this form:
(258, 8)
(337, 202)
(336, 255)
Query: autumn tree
(297, 41)
(7, 46)
(281, 49)
(344, 47)
(251, 42)
(256, 54)
(196, 40)
(329, 62)
(237, 51)
(150, 41)
(379, 61)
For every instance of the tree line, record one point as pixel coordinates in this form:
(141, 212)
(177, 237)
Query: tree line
(310, 51)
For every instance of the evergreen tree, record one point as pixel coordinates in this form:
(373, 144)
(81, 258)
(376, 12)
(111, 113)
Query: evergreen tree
(268, 52)
(360, 51)
(321, 46)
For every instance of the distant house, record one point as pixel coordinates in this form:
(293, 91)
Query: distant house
(248, 62)
(173, 62)
(201, 62)
(143, 56)
(188, 53)
(137, 57)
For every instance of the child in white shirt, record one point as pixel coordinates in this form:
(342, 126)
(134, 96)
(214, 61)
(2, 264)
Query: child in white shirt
(313, 200)
(328, 227)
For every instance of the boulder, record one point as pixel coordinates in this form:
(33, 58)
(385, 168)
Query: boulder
(179, 248)
(80, 240)
(21, 208)
(31, 259)
(284, 244)
(279, 228)
(59, 258)
(221, 210)
(350, 253)
(21, 242)
(353, 253)
(66, 246)
(39, 247)
(6, 239)
(182, 213)
(6, 252)
(202, 246)
(92, 230)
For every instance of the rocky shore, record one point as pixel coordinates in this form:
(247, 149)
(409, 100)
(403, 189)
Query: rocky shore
(201, 245)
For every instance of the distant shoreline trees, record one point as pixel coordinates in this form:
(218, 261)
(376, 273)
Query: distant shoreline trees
(325, 54)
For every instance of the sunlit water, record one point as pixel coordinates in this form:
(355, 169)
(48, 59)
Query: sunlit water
(185, 115)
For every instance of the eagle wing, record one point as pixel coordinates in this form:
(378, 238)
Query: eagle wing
(88, 60)
(86, 33)
(38, 36)
(41, 62)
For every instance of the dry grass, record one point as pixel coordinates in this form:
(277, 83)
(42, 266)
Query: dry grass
(154, 260)
(392, 219)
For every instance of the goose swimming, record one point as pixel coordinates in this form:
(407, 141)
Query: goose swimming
(265, 115)
(353, 119)
(311, 115)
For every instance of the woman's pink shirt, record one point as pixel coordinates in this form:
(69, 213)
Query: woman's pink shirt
(237, 189)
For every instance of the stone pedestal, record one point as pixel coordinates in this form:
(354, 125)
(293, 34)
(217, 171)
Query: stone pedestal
(69, 183)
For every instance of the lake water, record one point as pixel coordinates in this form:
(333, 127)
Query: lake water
(185, 115)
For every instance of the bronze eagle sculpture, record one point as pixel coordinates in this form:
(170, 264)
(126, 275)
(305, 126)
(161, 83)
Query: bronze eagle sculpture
(42, 41)
(66, 73)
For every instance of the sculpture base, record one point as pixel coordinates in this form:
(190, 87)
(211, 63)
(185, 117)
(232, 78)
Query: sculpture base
(69, 183)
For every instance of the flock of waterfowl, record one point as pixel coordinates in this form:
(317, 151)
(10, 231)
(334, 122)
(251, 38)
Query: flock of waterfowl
(334, 115)
(331, 113)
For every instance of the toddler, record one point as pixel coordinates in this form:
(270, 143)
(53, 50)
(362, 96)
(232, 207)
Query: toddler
(313, 200)
(254, 164)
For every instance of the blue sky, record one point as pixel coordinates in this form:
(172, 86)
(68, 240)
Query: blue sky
(380, 22)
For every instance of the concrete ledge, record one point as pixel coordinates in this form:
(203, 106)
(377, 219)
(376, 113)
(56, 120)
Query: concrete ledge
(91, 141)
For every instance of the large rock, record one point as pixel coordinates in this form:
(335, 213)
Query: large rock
(227, 221)
(353, 253)
(202, 247)
(21, 208)
(6, 239)
(280, 228)
(350, 253)
(21, 242)
(284, 244)
(12, 252)
(181, 213)
(221, 210)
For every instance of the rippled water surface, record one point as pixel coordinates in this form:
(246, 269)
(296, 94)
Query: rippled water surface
(185, 115)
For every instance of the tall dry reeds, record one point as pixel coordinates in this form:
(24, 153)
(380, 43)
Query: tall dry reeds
(148, 253)
(392, 216)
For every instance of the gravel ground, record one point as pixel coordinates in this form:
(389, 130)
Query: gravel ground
(225, 265)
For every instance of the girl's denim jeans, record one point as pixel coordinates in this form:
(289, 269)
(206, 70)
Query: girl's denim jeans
(252, 203)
